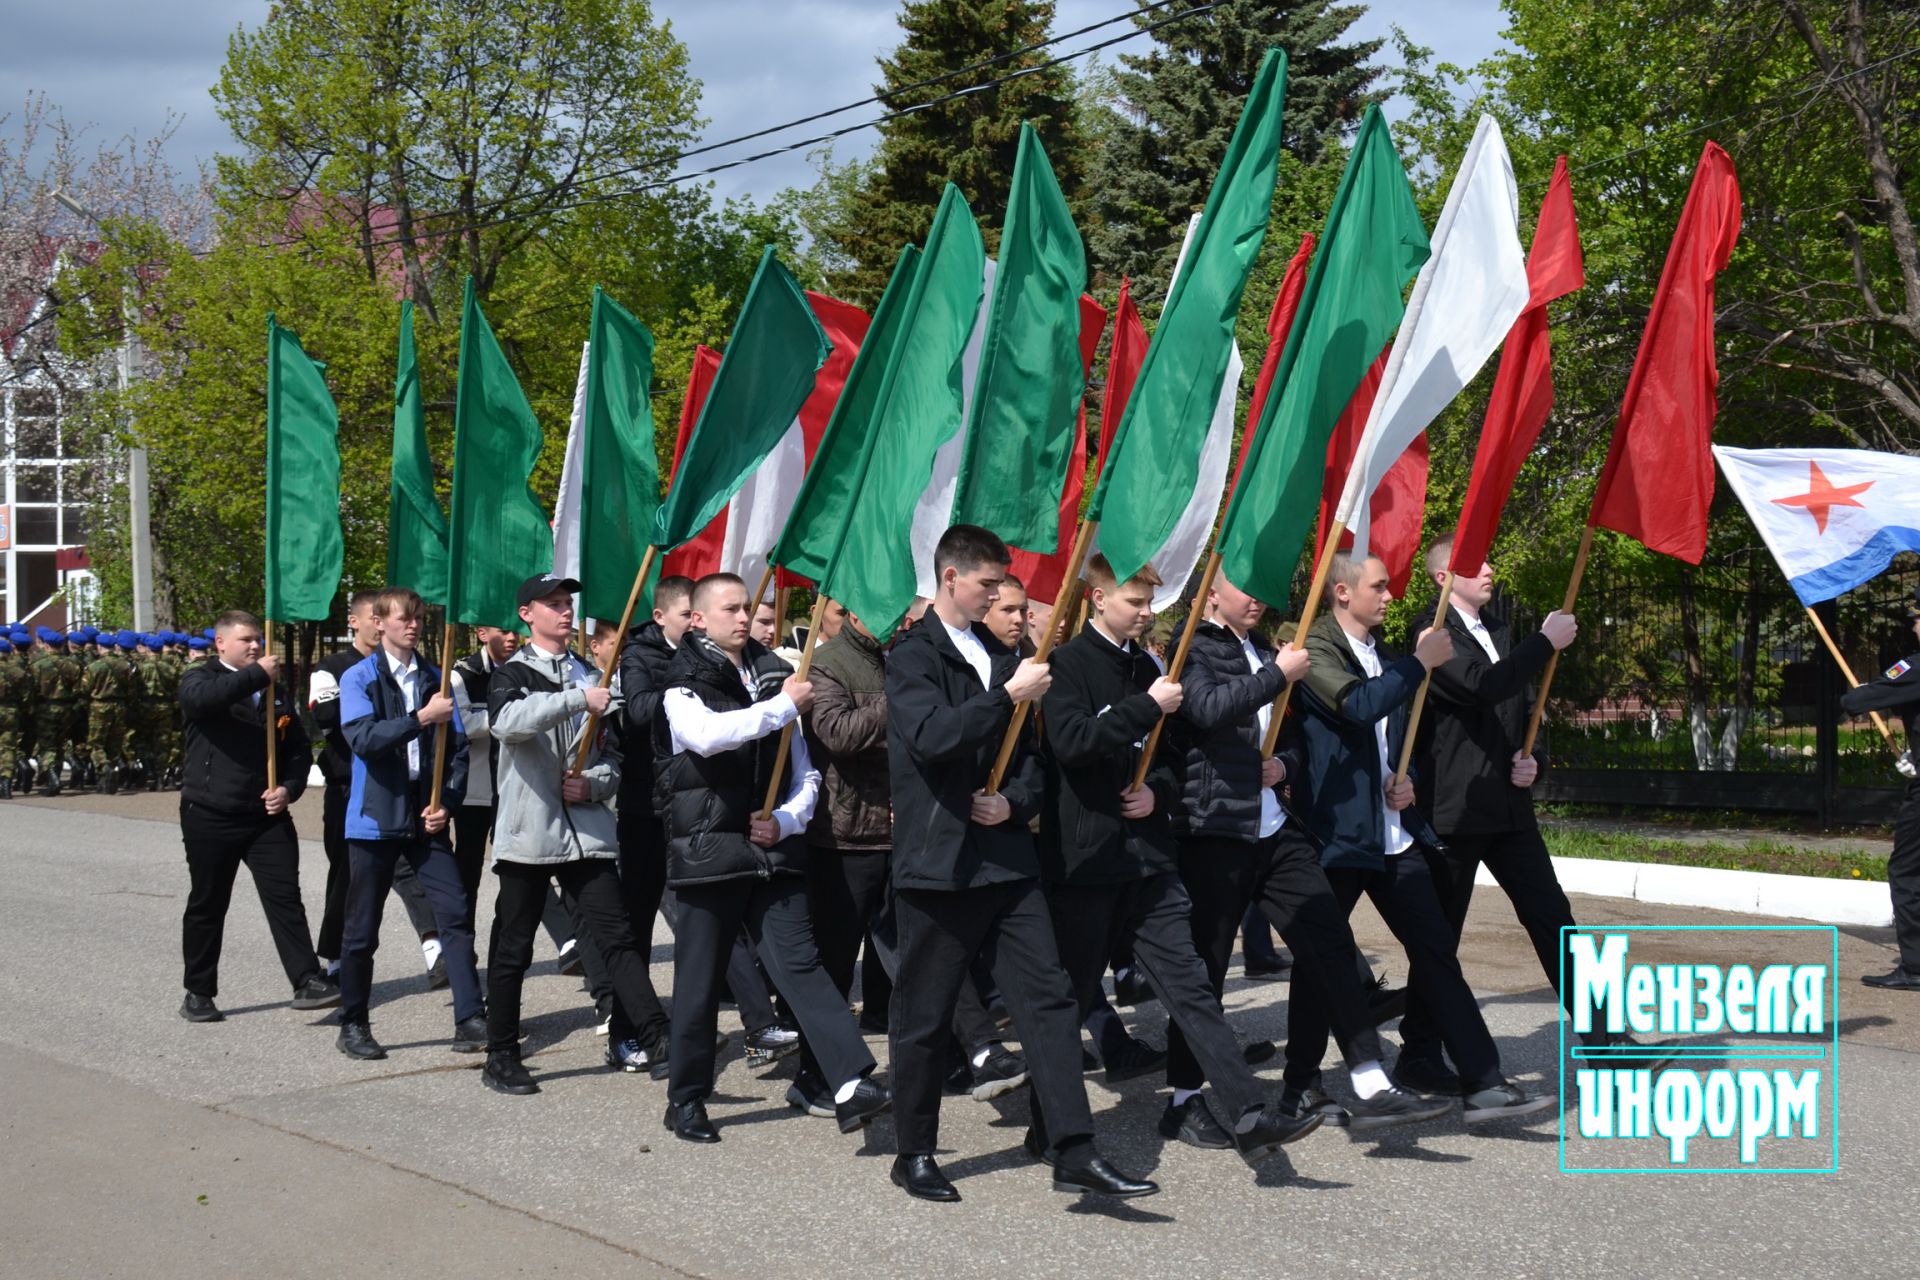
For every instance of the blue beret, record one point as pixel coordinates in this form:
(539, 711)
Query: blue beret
(21, 636)
(87, 633)
(199, 642)
(208, 633)
(127, 640)
(6, 646)
(49, 636)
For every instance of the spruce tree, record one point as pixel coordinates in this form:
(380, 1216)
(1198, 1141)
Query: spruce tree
(1171, 113)
(969, 141)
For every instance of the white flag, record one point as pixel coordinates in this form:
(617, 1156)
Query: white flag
(935, 510)
(1465, 299)
(1833, 518)
(566, 505)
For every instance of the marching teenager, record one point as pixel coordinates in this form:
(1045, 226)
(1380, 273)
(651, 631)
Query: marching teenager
(390, 703)
(1107, 850)
(966, 873)
(1373, 836)
(229, 816)
(1241, 850)
(719, 732)
(1898, 689)
(1476, 785)
(552, 827)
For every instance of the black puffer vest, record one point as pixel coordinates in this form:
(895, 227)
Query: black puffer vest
(707, 801)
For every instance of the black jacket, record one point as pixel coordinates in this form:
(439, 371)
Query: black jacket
(943, 731)
(336, 761)
(644, 660)
(1476, 718)
(1097, 716)
(1897, 689)
(1340, 794)
(226, 740)
(706, 802)
(1214, 739)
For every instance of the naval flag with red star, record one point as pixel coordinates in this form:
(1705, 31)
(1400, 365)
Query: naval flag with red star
(1833, 518)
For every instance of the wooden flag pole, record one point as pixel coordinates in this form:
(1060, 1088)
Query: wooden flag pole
(760, 590)
(273, 720)
(1546, 676)
(786, 731)
(1070, 589)
(1178, 662)
(440, 730)
(1847, 671)
(782, 596)
(613, 659)
(1426, 682)
(1307, 613)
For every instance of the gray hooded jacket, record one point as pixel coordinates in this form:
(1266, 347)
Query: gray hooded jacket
(537, 709)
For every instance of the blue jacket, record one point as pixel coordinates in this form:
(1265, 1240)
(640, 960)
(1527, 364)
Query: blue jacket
(382, 802)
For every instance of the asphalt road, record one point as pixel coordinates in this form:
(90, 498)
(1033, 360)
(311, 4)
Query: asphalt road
(138, 1144)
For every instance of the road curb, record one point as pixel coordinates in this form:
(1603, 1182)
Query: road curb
(1828, 901)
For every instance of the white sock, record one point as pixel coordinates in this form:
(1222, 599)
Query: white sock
(330, 967)
(980, 1058)
(430, 948)
(845, 1091)
(1368, 1078)
(569, 945)
(1180, 1096)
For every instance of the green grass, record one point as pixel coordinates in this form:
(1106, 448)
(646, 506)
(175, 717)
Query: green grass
(1754, 855)
(1712, 819)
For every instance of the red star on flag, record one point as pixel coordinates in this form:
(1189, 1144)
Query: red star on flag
(1823, 496)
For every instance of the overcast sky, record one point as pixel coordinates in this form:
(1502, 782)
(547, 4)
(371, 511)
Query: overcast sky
(120, 66)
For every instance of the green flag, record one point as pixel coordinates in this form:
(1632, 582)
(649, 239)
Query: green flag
(1026, 399)
(834, 478)
(765, 376)
(619, 477)
(1373, 244)
(918, 408)
(304, 546)
(416, 529)
(500, 536)
(1154, 462)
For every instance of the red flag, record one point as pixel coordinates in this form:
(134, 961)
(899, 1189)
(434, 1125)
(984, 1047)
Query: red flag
(846, 327)
(1279, 323)
(1123, 366)
(1658, 479)
(700, 556)
(1523, 389)
(1043, 575)
(1398, 507)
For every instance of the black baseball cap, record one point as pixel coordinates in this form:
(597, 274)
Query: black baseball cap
(542, 585)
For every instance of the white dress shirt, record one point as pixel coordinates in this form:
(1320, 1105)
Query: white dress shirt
(1477, 629)
(410, 696)
(698, 728)
(972, 650)
(1397, 839)
(1272, 816)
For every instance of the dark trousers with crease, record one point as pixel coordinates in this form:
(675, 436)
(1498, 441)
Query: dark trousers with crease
(371, 866)
(774, 912)
(333, 911)
(1156, 916)
(217, 844)
(941, 931)
(1408, 900)
(973, 1027)
(1281, 878)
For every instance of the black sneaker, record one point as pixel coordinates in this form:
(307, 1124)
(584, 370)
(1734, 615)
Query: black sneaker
(770, 1044)
(1425, 1076)
(958, 1081)
(1192, 1122)
(1133, 1059)
(1270, 1131)
(873, 1019)
(809, 1093)
(470, 1034)
(870, 1098)
(437, 973)
(505, 1073)
(1393, 1107)
(1297, 1104)
(1002, 1073)
(1130, 986)
(356, 1041)
(1385, 1003)
(570, 962)
(1265, 972)
(626, 1055)
(200, 1009)
(1503, 1100)
(1644, 1057)
(1256, 1052)
(657, 1057)
(317, 992)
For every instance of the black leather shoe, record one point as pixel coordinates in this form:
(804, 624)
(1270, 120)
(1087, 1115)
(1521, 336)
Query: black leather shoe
(1133, 1059)
(657, 1058)
(1132, 988)
(921, 1178)
(869, 1099)
(1272, 1130)
(470, 1034)
(689, 1122)
(1256, 1052)
(1386, 1003)
(1425, 1076)
(1035, 1145)
(200, 1009)
(1901, 979)
(356, 1041)
(1296, 1103)
(505, 1073)
(1094, 1174)
(1192, 1122)
(317, 992)
(1262, 971)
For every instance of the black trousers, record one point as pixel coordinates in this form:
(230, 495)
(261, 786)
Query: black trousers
(333, 912)
(775, 914)
(1408, 900)
(941, 931)
(592, 887)
(217, 843)
(1903, 878)
(1280, 877)
(845, 893)
(371, 865)
(745, 982)
(973, 1027)
(472, 828)
(1156, 915)
(1520, 863)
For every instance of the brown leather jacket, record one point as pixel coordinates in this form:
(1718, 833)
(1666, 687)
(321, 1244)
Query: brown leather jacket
(847, 737)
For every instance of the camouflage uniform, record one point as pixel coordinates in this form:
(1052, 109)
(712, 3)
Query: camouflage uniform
(16, 703)
(159, 727)
(56, 683)
(109, 684)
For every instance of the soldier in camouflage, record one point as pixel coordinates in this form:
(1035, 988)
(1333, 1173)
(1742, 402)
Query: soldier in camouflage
(16, 694)
(109, 685)
(56, 683)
